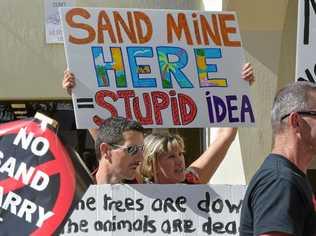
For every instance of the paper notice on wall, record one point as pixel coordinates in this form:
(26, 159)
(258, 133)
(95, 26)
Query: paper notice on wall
(52, 20)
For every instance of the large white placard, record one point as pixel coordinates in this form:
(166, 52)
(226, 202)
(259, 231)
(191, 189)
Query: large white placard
(157, 210)
(164, 68)
(306, 41)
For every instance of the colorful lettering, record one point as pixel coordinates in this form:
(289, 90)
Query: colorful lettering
(246, 109)
(168, 68)
(133, 53)
(148, 118)
(181, 106)
(219, 109)
(134, 27)
(101, 67)
(204, 69)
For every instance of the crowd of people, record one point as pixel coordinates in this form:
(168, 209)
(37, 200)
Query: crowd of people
(279, 198)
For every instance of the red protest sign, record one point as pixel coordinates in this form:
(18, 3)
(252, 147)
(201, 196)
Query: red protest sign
(37, 179)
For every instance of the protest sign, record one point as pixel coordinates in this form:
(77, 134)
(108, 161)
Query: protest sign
(306, 41)
(164, 68)
(154, 209)
(37, 179)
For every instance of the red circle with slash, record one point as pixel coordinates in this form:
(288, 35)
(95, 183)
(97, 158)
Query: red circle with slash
(59, 165)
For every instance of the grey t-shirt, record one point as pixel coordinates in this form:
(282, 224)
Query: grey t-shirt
(278, 198)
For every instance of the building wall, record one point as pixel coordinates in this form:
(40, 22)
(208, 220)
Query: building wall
(268, 30)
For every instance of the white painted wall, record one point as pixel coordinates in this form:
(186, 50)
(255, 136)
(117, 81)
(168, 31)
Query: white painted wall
(212, 5)
(268, 30)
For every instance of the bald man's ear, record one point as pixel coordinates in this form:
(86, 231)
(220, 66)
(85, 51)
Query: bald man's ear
(294, 120)
(105, 150)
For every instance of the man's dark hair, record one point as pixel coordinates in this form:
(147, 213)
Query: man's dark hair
(112, 129)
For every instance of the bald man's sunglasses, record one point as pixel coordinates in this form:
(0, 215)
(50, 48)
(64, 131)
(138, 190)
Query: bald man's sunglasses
(130, 150)
(305, 113)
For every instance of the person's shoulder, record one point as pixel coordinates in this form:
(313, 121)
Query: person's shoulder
(276, 174)
(291, 176)
(278, 167)
(267, 171)
(288, 172)
(263, 177)
(267, 175)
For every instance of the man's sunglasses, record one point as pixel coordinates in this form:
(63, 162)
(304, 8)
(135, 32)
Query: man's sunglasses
(130, 150)
(306, 113)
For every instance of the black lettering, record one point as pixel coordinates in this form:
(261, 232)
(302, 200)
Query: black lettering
(107, 226)
(122, 224)
(188, 226)
(118, 206)
(156, 207)
(90, 203)
(83, 226)
(80, 205)
(232, 229)
(105, 202)
(210, 227)
(144, 225)
(177, 225)
(217, 206)
(233, 207)
(113, 223)
(98, 225)
(207, 226)
(218, 227)
(149, 225)
(204, 205)
(166, 227)
(169, 205)
(129, 204)
(138, 225)
(309, 75)
(307, 19)
(140, 204)
(72, 227)
(179, 202)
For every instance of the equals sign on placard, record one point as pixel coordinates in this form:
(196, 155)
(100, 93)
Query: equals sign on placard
(85, 103)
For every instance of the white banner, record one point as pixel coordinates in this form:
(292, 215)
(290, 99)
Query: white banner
(306, 41)
(164, 68)
(157, 210)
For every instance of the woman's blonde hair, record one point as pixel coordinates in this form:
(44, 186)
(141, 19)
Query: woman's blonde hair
(155, 145)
